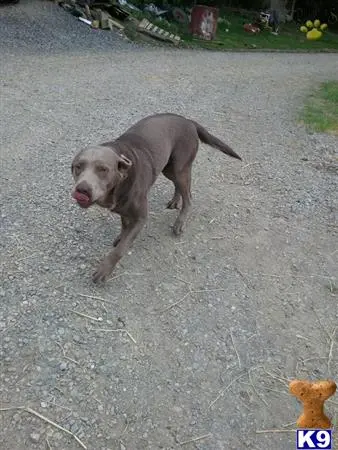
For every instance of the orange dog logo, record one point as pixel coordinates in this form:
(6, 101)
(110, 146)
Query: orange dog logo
(313, 395)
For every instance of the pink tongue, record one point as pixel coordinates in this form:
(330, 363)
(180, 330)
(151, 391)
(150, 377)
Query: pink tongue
(81, 198)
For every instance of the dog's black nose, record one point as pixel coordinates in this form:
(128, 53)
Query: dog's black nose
(84, 188)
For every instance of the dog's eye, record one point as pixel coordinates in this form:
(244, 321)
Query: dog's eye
(77, 168)
(102, 169)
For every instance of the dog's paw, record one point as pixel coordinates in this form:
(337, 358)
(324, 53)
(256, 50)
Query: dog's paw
(174, 204)
(178, 227)
(102, 272)
(117, 240)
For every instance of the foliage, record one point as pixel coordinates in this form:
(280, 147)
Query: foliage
(289, 37)
(230, 34)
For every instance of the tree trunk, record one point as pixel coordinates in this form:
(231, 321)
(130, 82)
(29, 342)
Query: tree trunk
(280, 7)
(293, 7)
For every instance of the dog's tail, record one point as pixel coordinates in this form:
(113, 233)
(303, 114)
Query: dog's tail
(213, 141)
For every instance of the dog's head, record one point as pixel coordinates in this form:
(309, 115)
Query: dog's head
(97, 172)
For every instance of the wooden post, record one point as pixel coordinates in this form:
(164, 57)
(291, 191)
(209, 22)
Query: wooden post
(293, 7)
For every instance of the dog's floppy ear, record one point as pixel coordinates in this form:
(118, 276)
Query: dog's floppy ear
(124, 165)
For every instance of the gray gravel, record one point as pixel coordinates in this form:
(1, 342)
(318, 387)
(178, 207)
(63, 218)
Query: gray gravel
(260, 250)
(44, 27)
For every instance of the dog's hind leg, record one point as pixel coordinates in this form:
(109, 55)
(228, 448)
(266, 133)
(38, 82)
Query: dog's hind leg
(178, 170)
(183, 183)
(174, 203)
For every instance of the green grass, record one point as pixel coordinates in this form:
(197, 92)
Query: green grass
(321, 109)
(289, 38)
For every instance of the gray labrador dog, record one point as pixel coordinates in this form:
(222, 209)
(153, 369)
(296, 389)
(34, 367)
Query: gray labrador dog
(117, 175)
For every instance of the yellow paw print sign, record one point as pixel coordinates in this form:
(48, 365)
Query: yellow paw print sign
(314, 30)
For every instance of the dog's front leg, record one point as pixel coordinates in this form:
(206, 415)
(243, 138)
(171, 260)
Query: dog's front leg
(126, 239)
(124, 227)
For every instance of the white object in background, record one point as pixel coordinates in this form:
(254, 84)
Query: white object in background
(88, 22)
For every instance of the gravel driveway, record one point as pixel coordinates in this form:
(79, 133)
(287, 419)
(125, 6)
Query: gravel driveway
(254, 277)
